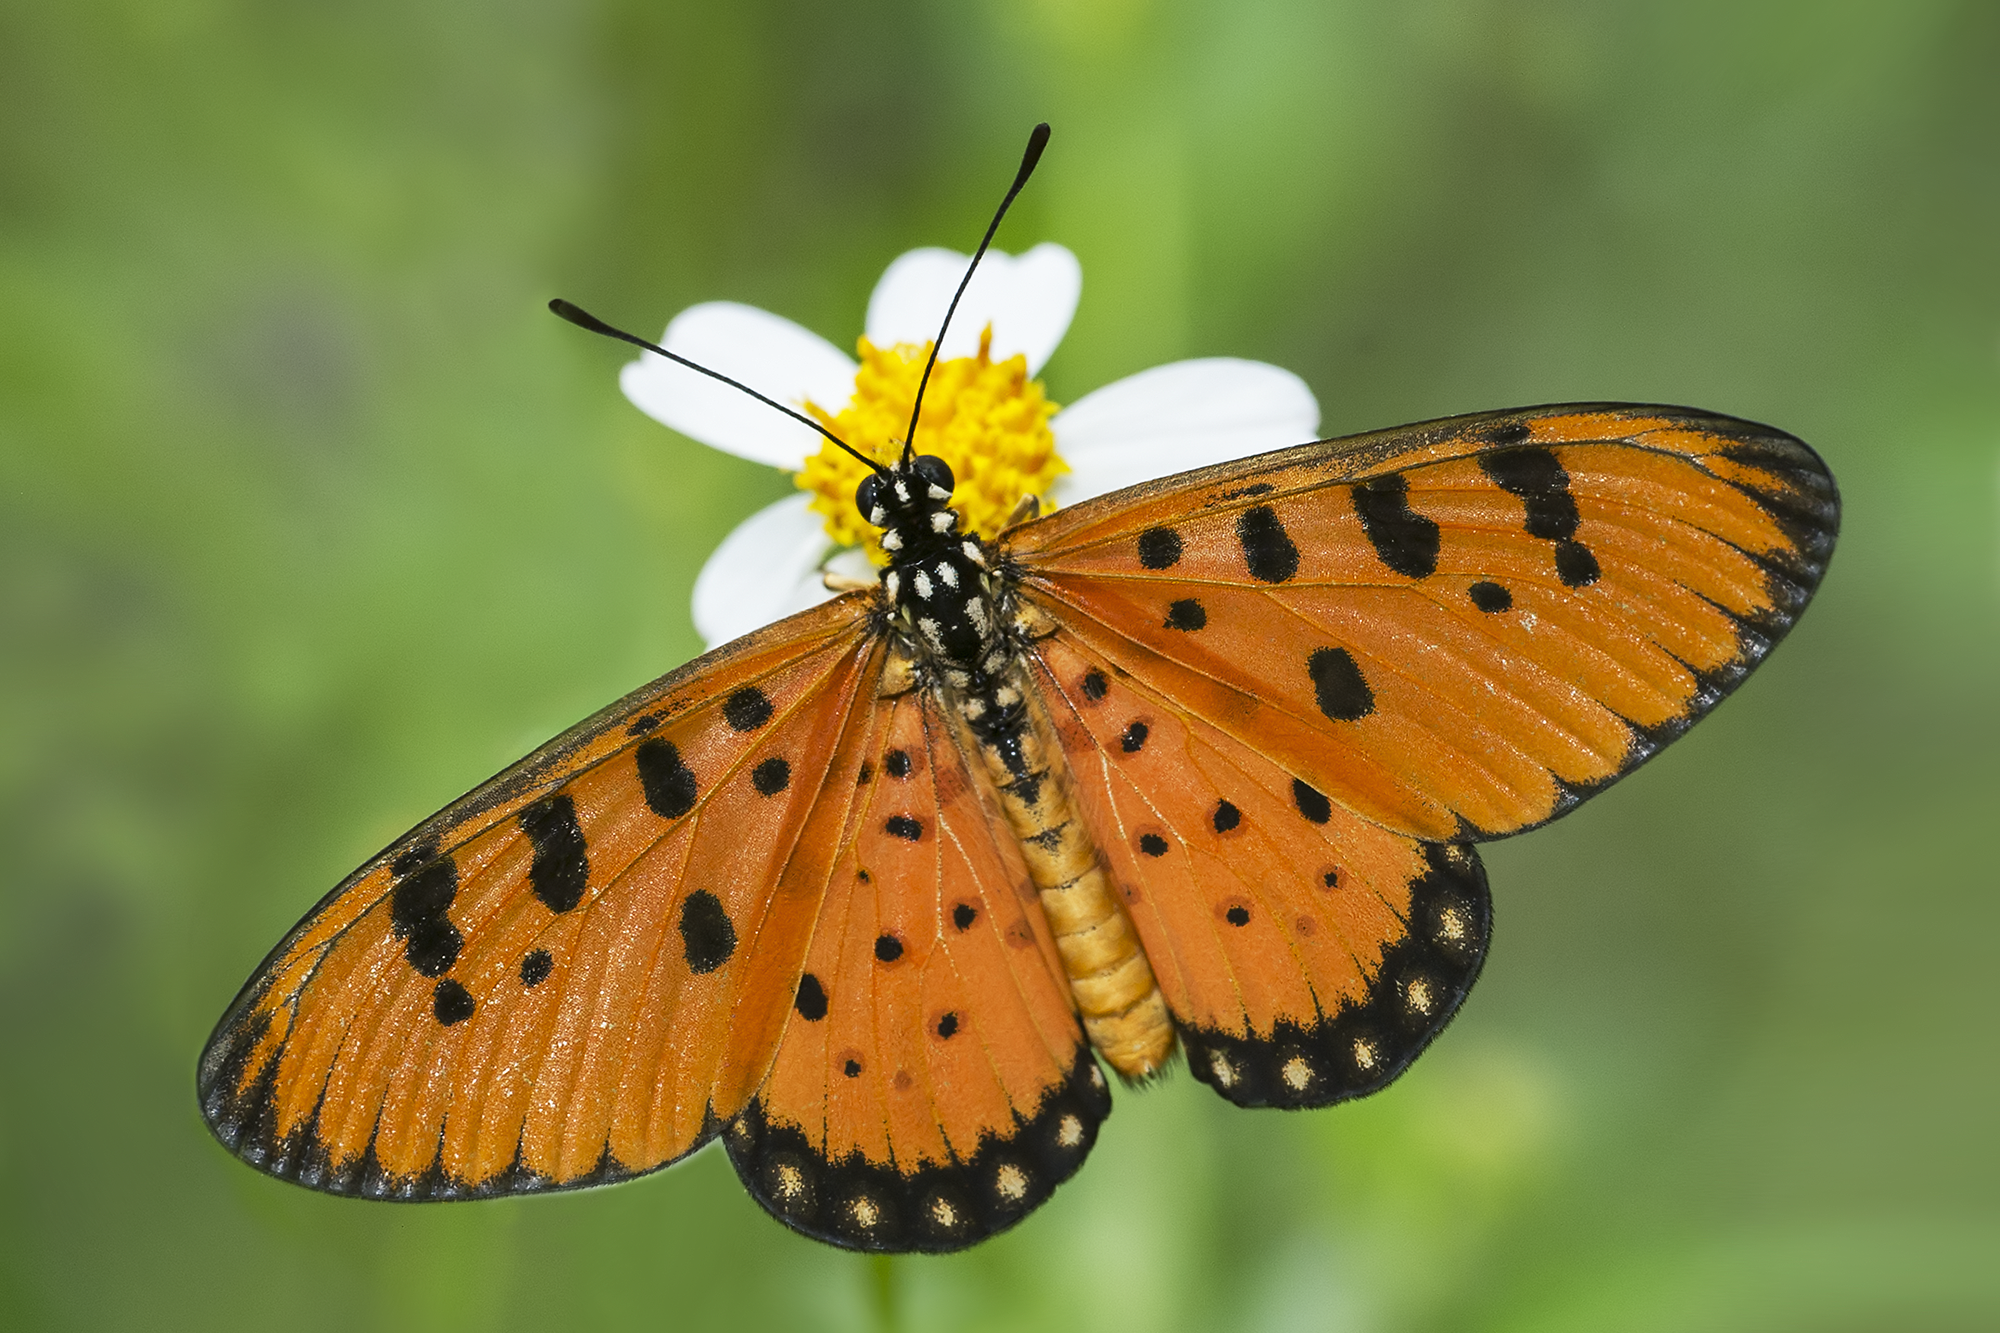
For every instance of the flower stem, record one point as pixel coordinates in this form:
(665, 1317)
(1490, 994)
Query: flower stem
(887, 1316)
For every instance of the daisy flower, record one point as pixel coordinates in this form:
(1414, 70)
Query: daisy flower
(984, 413)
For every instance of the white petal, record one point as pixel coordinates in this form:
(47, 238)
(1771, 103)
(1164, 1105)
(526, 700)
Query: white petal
(765, 570)
(1028, 299)
(1171, 418)
(770, 354)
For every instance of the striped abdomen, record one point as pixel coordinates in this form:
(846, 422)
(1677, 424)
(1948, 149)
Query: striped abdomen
(1123, 1010)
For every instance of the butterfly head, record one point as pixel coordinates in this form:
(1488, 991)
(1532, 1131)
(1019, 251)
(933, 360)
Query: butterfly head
(911, 500)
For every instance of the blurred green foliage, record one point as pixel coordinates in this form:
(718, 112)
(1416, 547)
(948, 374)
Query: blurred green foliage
(310, 517)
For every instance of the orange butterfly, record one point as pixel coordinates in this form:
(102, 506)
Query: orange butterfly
(869, 892)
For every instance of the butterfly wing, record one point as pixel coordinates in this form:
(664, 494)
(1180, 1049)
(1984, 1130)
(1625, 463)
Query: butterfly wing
(1294, 687)
(578, 971)
(933, 1084)
(1307, 954)
(1455, 630)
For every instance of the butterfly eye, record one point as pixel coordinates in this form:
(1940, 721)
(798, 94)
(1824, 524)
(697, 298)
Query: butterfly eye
(935, 471)
(868, 495)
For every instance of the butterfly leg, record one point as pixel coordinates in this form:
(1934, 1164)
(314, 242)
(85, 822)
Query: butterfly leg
(1025, 511)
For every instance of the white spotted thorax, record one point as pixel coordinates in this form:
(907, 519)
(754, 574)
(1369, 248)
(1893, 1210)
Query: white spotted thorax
(953, 614)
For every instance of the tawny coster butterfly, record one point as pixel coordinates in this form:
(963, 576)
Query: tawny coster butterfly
(871, 892)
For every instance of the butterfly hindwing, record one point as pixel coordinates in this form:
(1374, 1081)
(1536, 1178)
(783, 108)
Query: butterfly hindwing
(933, 1084)
(1307, 954)
(1454, 630)
(575, 973)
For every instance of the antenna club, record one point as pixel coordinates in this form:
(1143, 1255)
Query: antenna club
(1038, 139)
(580, 317)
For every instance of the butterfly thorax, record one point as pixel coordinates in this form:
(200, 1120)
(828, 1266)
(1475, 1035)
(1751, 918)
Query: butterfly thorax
(940, 586)
(952, 608)
(950, 605)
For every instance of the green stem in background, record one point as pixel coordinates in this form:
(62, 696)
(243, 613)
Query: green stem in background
(883, 1269)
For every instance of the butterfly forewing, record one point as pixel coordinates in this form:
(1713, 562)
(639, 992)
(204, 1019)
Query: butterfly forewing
(574, 972)
(933, 1084)
(1454, 630)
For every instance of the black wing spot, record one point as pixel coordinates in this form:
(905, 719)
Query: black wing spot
(1258, 488)
(811, 1001)
(669, 783)
(1508, 432)
(896, 764)
(1238, 915)
(1134, 739)
(852, 1069)
(1403, 539)
(1159, 548)
(867, 773)
(1537, 477)
(643, 724)
(964, 915)
(888, 948)
(422, 895)
(1331, 878)
(451, 1002)
(1338, 685)
(535, 967)
(417, 907)
(902, 826)
(561, 867)
(432, 946)
(1186, 614)
(1094, 686)
(414, 859)
(1152, 844)
(1267, 548)
(1490, 597)
(747, 709)
(947, 1026)
(1311, 803)
(1226, 817)
(1575, 565)
(771, 777)
(707, 936)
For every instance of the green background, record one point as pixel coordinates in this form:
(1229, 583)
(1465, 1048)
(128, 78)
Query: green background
(311, 517)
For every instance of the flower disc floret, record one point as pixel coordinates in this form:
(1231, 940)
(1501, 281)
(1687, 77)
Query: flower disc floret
(987, 419)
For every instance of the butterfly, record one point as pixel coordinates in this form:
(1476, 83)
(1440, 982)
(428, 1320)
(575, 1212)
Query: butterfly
(876, 893)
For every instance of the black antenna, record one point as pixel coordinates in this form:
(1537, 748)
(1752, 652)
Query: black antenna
(1038, 139)
(583, 319)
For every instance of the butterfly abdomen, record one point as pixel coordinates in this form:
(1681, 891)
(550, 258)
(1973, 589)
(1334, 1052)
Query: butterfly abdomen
(1108, 971)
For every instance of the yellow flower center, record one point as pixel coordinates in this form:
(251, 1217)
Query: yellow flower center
(989, 421)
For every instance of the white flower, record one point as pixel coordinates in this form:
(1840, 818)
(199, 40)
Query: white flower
(1168, 419)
